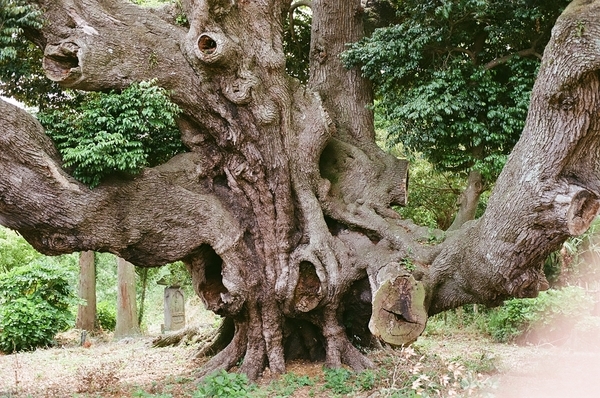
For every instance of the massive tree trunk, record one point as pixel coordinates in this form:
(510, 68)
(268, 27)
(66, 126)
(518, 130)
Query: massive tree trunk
(281, 207)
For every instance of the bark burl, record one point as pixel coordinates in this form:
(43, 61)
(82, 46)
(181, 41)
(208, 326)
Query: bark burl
(281, 207)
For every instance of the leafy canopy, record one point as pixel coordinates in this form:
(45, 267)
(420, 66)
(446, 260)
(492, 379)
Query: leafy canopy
(115, 133)
(453, 77)
(15, 16)
(21, 74)
(97, 134)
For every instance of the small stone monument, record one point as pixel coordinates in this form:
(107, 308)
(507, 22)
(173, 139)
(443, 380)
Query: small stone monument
(174, 308)
(174, 301)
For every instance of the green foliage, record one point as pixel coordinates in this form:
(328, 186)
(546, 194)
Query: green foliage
(106, 278)
(575, 262)
(14, 250)
(408, 264)
(337, 380)
(580, 255)
(106, 313)
(519, 316)
(24, 80)
(432, 194)
(365, 380)
(448, 78)
(116, 133)
(35, 302)
(172, 274)
(287, 385)
(510, 321)
(296, 43)
(223, 384)
(143, 394)
(553, 267)
(15, 17)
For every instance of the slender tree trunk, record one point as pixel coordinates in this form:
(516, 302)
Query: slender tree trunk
(127, 322)
(86, 313)
(144, 283)
(468, 200)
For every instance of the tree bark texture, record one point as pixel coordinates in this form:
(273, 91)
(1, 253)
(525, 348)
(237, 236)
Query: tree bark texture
(281, 209)
(86, 313)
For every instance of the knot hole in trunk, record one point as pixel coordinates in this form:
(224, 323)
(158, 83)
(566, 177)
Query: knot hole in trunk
(207, 45)
(212, 47)
(206, 269)
(308, 290)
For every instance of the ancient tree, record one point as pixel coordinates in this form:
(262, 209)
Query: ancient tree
(281, 206)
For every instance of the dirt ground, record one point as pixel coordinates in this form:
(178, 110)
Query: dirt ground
(131, 367)
(570, 368)
(110, 368)
(557, 373)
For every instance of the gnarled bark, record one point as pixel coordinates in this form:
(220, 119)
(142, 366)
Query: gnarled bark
(281, 207)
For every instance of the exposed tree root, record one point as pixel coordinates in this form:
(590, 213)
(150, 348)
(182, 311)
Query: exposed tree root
(218, 340)
(213, 340)
(189, 334)
(228, 357)
(339, 349)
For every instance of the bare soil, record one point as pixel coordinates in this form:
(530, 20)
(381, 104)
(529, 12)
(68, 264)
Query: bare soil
(132, 368)
(104, 368)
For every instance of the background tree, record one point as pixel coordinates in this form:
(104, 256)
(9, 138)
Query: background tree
(86, 289)
(453, 80)
(21, 73)
(280, 207)
(15, 17)
(127, 319)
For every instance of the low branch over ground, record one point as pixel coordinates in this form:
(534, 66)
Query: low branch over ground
(150, 220)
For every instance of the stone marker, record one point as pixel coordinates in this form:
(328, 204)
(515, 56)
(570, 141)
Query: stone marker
(174, 309)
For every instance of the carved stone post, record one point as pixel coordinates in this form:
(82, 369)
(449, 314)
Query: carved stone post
(174, 308)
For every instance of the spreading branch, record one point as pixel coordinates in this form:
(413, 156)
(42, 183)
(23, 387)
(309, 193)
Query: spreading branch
(82, 219)
(502, 60)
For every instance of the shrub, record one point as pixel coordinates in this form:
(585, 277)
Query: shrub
(338, 380)
(14, 250)
(223, 384)
(520, 316)
(107, 315)
(34, 306)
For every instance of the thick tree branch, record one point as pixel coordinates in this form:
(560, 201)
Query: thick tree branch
(151, 220)
(108, 45)
(548, 190)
